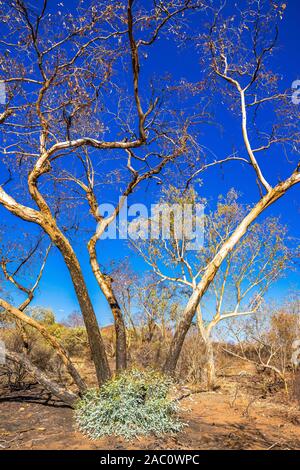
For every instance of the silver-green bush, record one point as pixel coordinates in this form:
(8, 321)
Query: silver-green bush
(134, 403)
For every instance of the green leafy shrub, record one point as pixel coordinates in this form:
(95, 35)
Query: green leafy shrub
(73, 340)
(45, 316)
(134, 403)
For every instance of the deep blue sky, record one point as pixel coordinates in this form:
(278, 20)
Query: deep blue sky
(56, 290)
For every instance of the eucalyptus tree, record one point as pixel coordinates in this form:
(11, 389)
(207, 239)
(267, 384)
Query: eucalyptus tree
(22, 269)
(83, 114)
(77, 107)
(238, 289)
(238, 50)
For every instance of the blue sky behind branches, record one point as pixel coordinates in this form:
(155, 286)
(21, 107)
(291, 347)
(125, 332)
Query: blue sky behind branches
(56, 290)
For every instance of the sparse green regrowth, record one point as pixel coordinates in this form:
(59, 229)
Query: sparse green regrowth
(132, 404)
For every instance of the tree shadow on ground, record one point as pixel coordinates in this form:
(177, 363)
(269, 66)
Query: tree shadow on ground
(32, 394)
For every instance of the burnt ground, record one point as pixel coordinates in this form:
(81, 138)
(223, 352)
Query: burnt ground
(237, 416)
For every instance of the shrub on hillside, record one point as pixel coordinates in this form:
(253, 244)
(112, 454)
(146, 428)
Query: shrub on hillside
(74, 340)
(45, 316)
(131, 404)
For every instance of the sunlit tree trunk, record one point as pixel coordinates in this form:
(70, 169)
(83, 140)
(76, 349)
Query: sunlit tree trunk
(212, 268)
(210, 370)
(45, 220)
(94, 336)
(209, 359)
(104, 283)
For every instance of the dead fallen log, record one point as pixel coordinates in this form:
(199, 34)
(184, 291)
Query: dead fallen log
(42, 378)
(20, 315)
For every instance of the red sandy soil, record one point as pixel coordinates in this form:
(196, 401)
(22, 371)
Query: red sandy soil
(230, 418)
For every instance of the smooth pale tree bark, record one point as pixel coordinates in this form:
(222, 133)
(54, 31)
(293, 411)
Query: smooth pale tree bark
(57, 63)
(210, 364)
(44, 217)
(46, 221)
(209, 360)
(63, 394)
(212, 268)
(21, 316)
(104, 283)
(95, 339)
(205, 333)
